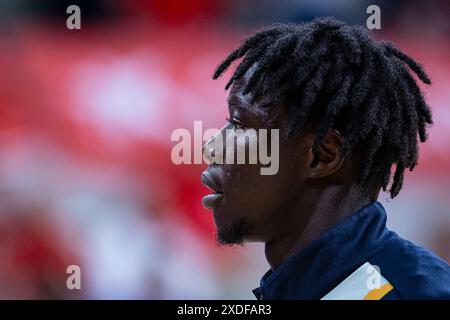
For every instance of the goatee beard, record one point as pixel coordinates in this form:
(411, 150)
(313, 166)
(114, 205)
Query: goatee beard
(234, 234)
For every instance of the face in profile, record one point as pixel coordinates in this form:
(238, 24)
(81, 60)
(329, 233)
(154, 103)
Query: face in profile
(247, 205)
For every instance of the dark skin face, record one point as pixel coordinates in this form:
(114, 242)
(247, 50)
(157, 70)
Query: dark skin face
(311, 192)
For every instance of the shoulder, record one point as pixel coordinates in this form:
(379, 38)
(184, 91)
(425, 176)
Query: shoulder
(413, 271)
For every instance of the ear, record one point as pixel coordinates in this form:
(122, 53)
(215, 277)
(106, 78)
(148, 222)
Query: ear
(327, 159)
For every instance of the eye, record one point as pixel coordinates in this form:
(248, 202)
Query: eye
(236, 123)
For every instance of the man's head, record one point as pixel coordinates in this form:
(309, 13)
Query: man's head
(347, 109)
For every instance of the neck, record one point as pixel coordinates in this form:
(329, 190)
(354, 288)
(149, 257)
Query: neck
(311, 218)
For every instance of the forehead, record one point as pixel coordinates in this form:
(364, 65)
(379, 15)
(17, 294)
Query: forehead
(240, 83)
(238, 101)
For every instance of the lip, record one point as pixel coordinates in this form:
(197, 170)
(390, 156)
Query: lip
(211, 201)
(210, 182)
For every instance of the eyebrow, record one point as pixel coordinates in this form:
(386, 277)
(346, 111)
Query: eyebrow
(237, 103)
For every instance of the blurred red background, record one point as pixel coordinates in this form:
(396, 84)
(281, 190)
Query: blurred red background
(85, 123)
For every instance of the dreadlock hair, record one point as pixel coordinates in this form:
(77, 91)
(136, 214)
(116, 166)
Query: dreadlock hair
(337, 76)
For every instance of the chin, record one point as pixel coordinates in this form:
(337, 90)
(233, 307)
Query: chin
(234, 232)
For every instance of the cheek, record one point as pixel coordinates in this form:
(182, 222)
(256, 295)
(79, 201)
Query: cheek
(242, 182)
(247, 192)
(293, 162)
(251, 194)
(241, 146)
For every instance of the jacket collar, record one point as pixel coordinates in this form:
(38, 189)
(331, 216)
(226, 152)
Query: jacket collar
(326, 261)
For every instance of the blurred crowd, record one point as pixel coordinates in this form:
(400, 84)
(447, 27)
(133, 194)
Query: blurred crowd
(85, 121)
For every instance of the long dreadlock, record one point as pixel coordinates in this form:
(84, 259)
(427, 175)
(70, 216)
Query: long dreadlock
(337, 76)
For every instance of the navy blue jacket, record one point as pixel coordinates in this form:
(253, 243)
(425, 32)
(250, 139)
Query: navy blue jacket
(359, 258)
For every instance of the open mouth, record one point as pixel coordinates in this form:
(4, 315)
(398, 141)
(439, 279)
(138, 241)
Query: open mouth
(211, 200)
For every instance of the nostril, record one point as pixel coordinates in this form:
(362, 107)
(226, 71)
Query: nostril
(210, 155)
(207, 143)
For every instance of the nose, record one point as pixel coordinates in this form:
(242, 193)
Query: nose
(209, 150)
(213, 148)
